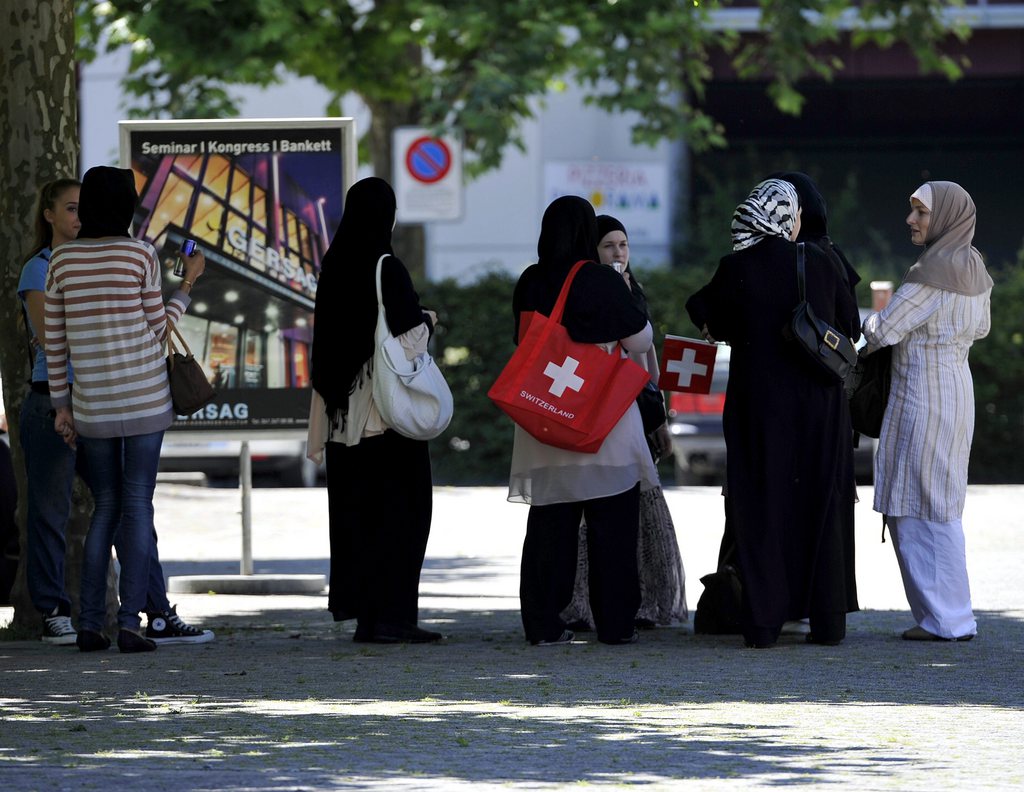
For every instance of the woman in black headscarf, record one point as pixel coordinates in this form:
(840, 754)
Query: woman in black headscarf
(786, 426)
(660, 567)
(562, 487)
(814, 225)
(379, 486)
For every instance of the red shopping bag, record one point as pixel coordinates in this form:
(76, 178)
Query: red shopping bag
(566, 394)
(687, 365)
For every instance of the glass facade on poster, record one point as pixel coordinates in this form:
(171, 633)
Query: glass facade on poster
(250, 320)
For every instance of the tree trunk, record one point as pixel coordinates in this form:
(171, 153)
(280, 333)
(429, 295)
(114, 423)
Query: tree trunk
(39, 127)
(409, 238)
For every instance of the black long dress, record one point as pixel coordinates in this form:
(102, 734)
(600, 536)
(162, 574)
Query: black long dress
(380, 496)
(790, 455)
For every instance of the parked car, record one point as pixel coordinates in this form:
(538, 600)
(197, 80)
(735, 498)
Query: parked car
(282, 460)
(698, 441)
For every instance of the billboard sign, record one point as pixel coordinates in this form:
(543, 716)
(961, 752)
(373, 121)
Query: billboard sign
(262, 198)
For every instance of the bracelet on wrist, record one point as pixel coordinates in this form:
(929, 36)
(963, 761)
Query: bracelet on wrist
(188, 283)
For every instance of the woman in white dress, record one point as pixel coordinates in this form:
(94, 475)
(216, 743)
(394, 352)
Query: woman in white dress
(941, 308)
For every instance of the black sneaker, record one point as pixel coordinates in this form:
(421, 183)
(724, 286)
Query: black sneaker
(131, 642)
(57, 629)
(92, 641)
(167, 628)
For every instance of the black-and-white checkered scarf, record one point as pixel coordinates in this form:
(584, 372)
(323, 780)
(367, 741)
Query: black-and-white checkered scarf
(769, 210)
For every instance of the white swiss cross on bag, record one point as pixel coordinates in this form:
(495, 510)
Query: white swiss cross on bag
(563, 376)
(687, 365)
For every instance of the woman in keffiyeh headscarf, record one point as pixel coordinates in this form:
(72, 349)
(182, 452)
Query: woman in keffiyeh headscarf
(941, 309)
(379, 485)
(786, 426)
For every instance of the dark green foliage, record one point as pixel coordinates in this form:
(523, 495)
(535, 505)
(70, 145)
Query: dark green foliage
(472, 345)
(475, 341)
(997, 363)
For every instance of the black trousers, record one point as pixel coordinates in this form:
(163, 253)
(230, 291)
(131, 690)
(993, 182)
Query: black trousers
(549, 565)
(379, 500)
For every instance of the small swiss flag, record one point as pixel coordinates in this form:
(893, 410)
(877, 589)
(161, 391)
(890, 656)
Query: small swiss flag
(687, 365)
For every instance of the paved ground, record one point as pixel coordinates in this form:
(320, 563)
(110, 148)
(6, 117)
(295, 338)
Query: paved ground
(284, 700)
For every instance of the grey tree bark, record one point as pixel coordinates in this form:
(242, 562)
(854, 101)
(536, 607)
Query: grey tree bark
(39, 130)
(409, 239)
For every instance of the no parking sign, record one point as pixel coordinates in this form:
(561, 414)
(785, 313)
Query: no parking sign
(428, 176)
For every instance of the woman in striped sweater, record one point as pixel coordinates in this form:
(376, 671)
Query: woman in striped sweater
(105, 312)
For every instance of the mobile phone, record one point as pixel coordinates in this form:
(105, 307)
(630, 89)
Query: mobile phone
(188, 247)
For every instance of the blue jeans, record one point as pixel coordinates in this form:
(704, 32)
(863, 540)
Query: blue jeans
(121, 472)
(50, 471)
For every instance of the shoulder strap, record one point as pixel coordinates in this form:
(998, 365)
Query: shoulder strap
(800, 277)
(380, 294)
(563, 295)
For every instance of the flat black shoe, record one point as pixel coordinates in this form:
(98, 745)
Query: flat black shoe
(130, 642)
(397, 633)
(565, 638)
(645, 624)
(626, 639)
(92, 641)
(811, 639)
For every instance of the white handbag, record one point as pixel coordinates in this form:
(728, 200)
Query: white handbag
(411, 395)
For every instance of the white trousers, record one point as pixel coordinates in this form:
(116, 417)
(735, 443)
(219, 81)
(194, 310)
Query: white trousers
(933, 562)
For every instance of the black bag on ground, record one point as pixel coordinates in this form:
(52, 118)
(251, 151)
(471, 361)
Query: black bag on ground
(868, 391)
(720, 607)
(832, 351)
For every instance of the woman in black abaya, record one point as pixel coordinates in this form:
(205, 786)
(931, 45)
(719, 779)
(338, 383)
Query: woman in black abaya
(564, 486)
(379, 484)
(786, 427)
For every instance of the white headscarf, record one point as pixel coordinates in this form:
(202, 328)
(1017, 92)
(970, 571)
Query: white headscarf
(769, 210)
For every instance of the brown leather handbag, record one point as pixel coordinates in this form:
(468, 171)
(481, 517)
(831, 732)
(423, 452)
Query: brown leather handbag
(190, 388)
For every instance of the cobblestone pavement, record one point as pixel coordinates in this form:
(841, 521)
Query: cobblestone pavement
(284, 700)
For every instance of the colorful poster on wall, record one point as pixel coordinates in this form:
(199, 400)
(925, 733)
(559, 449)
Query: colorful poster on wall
(262, 198)
(634, 192)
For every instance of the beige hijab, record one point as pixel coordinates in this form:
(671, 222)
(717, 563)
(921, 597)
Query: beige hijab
(949, 260)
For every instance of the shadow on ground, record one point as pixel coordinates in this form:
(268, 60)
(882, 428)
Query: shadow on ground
(283, 699)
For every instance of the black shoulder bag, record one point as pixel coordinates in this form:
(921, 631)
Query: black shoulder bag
(831, 351)
(868, 391)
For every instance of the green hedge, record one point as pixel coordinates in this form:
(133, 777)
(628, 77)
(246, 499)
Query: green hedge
(997, 363)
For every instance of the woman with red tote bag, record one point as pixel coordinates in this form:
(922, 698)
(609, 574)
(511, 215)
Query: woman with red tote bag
(564, 486)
